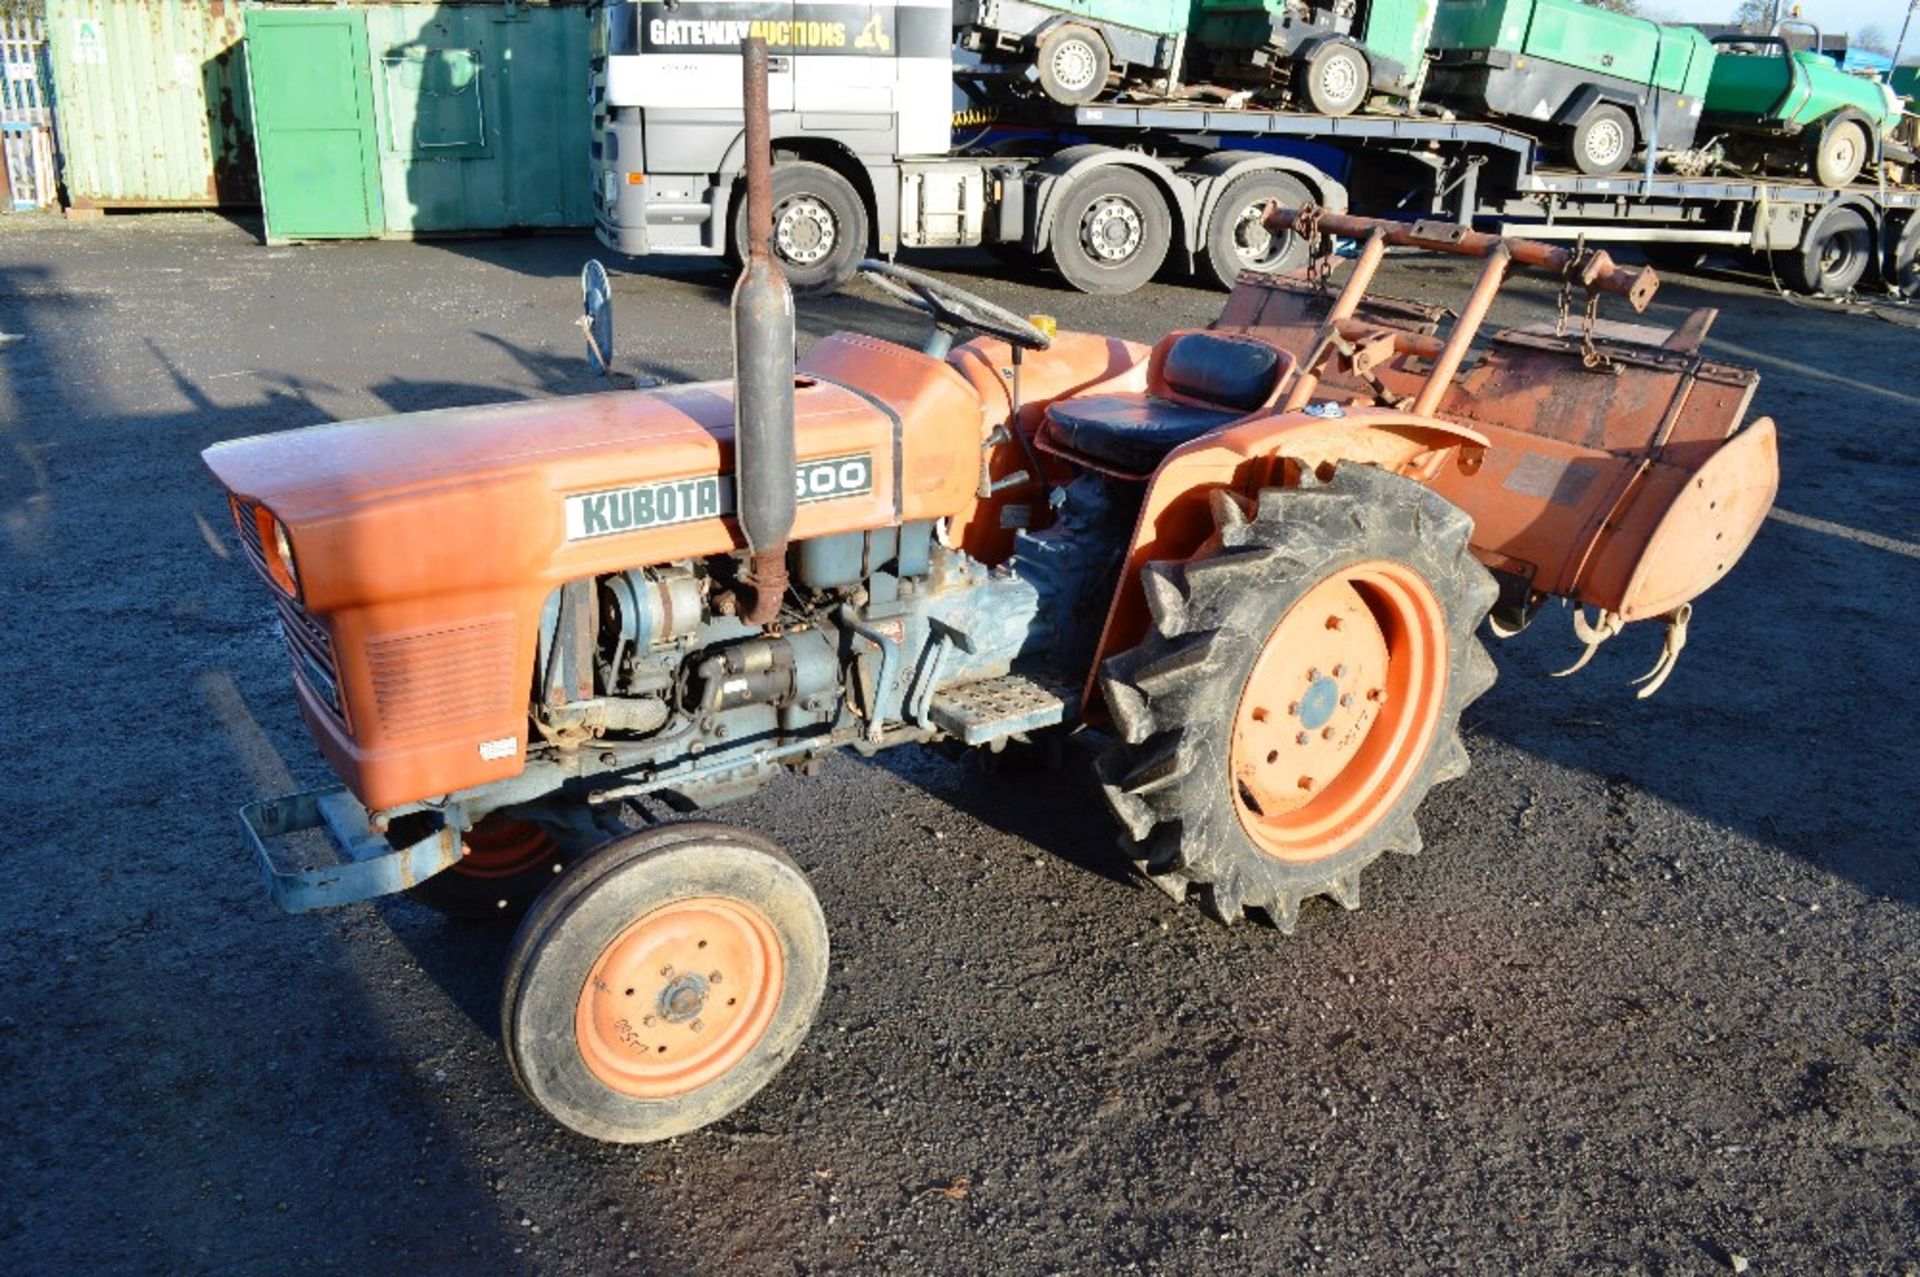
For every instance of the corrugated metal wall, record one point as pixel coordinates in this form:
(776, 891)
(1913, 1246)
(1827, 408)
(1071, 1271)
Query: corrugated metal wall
(150, 102)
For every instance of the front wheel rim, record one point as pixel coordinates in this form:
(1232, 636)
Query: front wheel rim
(804, 230)
(1338, 79)
(680, 997)
(1255, 245)
(1339, 711)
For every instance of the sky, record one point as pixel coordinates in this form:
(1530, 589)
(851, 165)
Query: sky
(1828, 15)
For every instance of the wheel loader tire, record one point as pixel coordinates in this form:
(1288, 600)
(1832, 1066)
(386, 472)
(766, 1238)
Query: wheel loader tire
(1237, 241)
(1073, 65)
(1298, 693)
(507, 863)
(663, 983)
(1842, 151)
(1833, 255)
(819, 226)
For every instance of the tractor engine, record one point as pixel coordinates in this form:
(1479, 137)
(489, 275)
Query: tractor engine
(656, 676)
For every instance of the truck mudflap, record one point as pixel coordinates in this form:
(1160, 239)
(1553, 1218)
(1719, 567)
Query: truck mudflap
(367, 866)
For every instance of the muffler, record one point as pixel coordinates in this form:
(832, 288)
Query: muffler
(763, 442)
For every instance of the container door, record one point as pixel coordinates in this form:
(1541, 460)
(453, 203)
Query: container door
(314, 124)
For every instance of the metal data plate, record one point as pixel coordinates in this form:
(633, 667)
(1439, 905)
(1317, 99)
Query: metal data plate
(369, 865)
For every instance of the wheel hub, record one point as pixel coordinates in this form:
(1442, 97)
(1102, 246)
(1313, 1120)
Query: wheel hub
(803, 229)
(1339, 710)
(1073, 65)
(1605, 142)
(1338, 79)
(679, 997)
(1111, 229)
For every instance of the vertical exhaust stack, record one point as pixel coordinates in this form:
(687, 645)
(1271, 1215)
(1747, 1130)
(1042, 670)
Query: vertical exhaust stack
(763, 444)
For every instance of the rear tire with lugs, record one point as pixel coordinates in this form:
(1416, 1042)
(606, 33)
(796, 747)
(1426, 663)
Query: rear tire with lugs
(1298, 694)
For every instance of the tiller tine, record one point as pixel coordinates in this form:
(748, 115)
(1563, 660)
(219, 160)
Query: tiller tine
(1610, 624)
(1670, 650)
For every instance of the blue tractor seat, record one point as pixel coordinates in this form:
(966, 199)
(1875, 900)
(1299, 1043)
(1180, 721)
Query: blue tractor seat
(1218, 380)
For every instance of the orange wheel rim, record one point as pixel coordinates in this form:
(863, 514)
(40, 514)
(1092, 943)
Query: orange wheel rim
(679, 997)
(1339, 711)
(498, 847)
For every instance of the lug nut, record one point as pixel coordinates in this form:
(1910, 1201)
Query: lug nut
(713, 977)
(1313, 672)
(1338, 670)
(1326, 733)
(1302, 738)
(1293, 709)
(1346, 700)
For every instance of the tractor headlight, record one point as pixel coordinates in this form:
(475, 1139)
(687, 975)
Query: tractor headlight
(285, 574)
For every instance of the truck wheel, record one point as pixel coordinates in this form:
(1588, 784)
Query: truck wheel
(1298, 694)
(507, 863)
(1073, 65)
(819, 226)
(1842, 152)
(1833, 255)
(1902, 271)
(1111, 232)
(1603, 140)
(663, 983)
(1237, 241)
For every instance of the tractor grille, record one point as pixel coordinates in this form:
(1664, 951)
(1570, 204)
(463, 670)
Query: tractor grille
(249, 528)
(431, 679)
(312, 650)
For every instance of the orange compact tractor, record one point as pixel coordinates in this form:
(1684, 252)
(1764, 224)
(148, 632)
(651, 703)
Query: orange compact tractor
(1255, 555)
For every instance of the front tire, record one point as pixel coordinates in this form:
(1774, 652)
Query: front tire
(1237, 241)
(1112, 231)
(819, 226)
(504, 865)
(663, 983)
(1298, 694)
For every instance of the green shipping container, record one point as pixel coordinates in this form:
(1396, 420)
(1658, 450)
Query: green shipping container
(151, 103)
(420, 119)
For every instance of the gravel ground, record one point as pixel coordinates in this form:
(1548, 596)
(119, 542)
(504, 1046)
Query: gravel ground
(1646, 1003)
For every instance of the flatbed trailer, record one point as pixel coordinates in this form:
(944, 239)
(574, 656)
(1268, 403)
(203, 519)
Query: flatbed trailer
(866, 164)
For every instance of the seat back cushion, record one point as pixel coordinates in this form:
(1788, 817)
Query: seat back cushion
(1219, 370)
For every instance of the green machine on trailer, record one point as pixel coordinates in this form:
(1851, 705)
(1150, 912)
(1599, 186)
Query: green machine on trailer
(1782, 106)
(1603, 84)
(1327, 56)
(1073, 49)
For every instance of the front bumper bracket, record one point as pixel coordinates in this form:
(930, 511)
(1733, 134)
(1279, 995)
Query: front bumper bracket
(369, 866)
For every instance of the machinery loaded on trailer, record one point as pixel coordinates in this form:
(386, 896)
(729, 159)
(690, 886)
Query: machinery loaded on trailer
(1110, 194)
(1255, 558)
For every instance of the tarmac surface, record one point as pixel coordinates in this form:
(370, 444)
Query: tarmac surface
(1646, 1003)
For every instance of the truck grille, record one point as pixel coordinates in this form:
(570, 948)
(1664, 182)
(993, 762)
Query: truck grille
(312, 650)
(248, 525)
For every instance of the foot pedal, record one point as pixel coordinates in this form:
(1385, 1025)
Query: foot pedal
(994, 708)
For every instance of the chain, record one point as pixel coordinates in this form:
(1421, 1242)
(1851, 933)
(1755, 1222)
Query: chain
(1590, 355)
(1563, 305)
(1319, 248)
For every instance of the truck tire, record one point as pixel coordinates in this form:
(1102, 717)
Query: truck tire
(1602, 141)
(663, 983)
(1902, 271)
(1842, 151)
(1073, 64)
(1833, 255)
(819, 226)
(1236, 240)
(1298, 693)
(1334, 79)
(1111, 231)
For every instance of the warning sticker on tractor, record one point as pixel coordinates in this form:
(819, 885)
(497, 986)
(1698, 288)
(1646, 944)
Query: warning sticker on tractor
(642, 506)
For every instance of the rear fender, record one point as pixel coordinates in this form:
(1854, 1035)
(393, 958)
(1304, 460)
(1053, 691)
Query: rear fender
(1588, 96)
(1176, 517)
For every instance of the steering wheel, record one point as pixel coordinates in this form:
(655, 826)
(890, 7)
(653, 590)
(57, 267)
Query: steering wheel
(953, 308)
